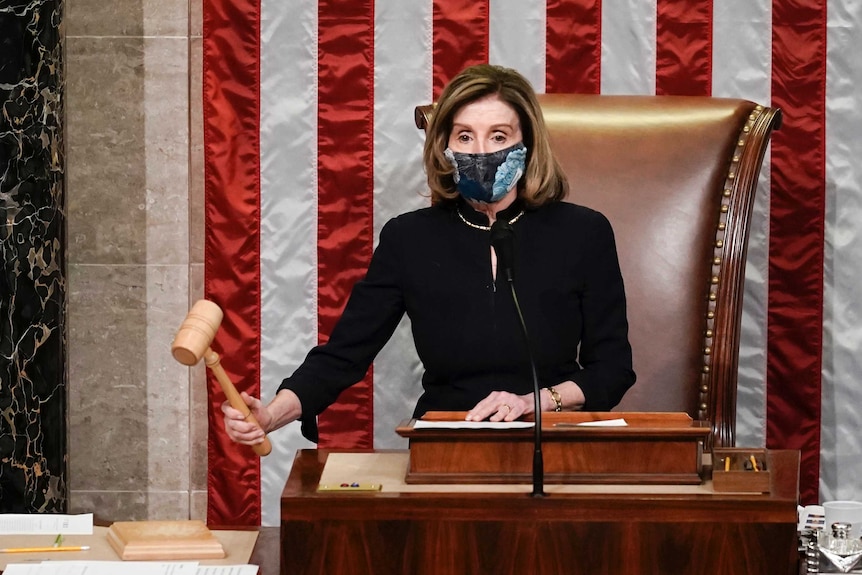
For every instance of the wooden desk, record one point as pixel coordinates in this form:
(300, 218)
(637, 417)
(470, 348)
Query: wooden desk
(461, 533)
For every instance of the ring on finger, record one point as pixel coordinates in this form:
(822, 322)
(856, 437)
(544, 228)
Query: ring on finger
(508, 409)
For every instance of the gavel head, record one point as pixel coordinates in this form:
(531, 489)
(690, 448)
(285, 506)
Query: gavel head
(197, 332)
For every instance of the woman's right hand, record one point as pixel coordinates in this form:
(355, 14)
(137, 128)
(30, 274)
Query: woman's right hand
(280, 411)
(242, 431)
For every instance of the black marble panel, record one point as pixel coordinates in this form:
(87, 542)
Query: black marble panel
(33, 446)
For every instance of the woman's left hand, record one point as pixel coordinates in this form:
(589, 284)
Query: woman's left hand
(501, 406)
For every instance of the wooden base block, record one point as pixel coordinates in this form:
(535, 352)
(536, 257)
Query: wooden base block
(164, 540)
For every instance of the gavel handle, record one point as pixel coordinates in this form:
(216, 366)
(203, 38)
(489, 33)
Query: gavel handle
(213, 362)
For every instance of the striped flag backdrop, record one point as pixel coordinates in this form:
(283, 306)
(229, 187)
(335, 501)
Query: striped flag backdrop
(310, 147)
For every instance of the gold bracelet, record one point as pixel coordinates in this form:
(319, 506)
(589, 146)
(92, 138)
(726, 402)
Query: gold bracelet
(558, 401)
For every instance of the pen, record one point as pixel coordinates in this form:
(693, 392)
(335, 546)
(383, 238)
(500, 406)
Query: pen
(753, 462)
(43, 549)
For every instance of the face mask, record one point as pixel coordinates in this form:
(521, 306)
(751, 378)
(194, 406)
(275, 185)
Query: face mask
(488, 177)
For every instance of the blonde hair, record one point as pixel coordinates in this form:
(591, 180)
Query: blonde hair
(544, 181)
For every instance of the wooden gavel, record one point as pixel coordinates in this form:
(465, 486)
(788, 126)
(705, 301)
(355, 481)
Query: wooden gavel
(192, 343)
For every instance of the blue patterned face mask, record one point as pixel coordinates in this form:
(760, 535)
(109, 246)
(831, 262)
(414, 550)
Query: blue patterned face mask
(488, 177)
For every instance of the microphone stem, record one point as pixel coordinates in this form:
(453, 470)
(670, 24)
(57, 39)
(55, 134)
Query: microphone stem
(538, 460)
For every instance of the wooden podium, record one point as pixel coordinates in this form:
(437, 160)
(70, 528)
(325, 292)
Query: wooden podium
(463, 529)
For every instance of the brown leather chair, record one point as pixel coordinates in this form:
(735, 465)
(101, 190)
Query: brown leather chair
(676, 176)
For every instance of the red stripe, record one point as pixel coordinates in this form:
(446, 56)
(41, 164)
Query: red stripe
(345, 123)
(459, 37)
(231, 106)
(796, 236)
(573, 46)
(684, 47)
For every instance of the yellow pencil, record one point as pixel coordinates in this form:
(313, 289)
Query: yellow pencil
(44, 549)
(753, 462)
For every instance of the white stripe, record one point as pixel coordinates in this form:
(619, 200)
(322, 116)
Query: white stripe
(288, 128)
(403, 73)
(517, 38)
(628, 46)
(742, 49)
(841, 444)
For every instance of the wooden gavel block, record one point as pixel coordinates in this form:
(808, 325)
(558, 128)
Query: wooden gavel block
(192, 343)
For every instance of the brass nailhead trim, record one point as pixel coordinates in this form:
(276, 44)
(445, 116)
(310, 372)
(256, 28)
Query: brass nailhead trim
(727, 192)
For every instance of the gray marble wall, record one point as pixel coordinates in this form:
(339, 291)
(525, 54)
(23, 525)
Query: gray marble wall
(137, 418)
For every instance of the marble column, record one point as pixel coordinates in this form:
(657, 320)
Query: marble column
(33, 445)
(137, 417)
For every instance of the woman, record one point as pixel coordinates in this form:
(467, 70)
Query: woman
(487, 158)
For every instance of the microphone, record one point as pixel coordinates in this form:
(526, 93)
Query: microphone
(502, 240)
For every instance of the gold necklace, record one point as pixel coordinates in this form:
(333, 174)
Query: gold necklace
(485, 228)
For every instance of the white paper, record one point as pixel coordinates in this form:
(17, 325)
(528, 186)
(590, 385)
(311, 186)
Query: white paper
(118, 567)
(811, 517)
(45, 523)
(42, 569)
(227, 570)
(126, 568)
(605, 423)
(421, 424)
(21, 569)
